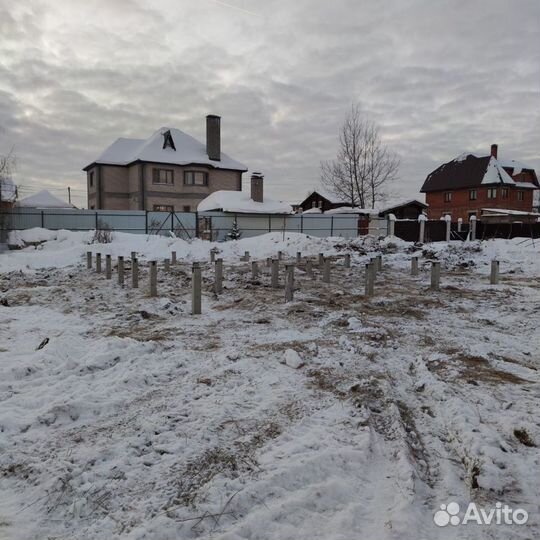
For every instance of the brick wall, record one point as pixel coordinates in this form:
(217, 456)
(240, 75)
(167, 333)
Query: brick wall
(121, 187)
(460, 206)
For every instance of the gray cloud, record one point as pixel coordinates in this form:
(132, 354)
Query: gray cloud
(439, 77)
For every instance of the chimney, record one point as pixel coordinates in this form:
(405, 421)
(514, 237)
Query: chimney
(494, 151)
(257, 187)
(213, 137)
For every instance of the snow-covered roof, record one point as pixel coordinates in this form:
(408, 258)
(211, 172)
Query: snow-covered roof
(187, 150)
(314, 210)
(496, 174)
(517, 166)
(8, 191)
(507, 212)
(43, 199)
(514, 164)
(241, 202)
(406, 203)
(471, 170)
(525, 185)
(352, 210)
(334, 199)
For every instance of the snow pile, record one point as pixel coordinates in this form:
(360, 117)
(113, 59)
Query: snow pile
(65, 248)
(241, 202)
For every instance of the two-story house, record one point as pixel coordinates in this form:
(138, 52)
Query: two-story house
(170, 171)
(470, 183)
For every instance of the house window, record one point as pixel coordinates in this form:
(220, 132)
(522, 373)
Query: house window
(163, 208)
(187, 208)
(473, 195)
(314, 204)
(195, 178)
(492, 193)
(447, 196)
(163, 176)
(504, 193)
(91, 179)
(520, 195)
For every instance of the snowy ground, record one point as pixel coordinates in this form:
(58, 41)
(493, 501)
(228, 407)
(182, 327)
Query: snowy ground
(123, 416)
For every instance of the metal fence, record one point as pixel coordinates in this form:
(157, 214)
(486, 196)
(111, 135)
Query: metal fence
(216, 226)
(435, 230)
(507, 230)
(183, 224)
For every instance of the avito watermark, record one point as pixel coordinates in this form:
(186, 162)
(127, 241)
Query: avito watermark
(501, 514)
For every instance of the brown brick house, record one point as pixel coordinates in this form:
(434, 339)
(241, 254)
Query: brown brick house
(169, 171)
(466, 185)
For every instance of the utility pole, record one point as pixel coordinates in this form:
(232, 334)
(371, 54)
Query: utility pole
(69, 195)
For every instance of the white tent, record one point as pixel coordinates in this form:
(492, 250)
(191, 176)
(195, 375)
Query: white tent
(43, 199)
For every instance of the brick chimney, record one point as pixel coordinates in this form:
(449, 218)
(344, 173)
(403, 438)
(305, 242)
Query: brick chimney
(213, 137)
(494, 151)
(257, 187)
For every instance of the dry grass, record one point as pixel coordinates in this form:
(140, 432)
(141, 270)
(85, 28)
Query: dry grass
(474, 369)
(522, 435)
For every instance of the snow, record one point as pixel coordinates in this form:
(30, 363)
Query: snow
(188, 151)
(241, 202)
(8, 191)
(332, 198)
(405, 203)
(495, 174)
(526, 185)
(292, 359)
(465, 155)
(505, 211)
(43, 199)
(517, 166)
(124, 417)
(352, 210)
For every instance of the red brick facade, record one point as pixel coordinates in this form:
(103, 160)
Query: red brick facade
(461, 205)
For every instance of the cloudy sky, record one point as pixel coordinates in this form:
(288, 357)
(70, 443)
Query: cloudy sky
(439, 77)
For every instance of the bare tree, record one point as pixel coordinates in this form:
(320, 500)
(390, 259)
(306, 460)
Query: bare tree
(7, 192)
(7, 164)
(363, 167)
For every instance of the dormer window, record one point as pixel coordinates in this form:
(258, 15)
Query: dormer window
(168, 140)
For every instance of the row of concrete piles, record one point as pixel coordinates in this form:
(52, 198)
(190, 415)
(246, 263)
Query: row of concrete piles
(324, 264)
(196, 304)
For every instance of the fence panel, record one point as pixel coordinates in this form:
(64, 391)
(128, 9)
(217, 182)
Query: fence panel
(435, 231)
(508, 230)
(22, 220)
(132, 221)
(407, 230)
(72, 220)
(185, 224)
